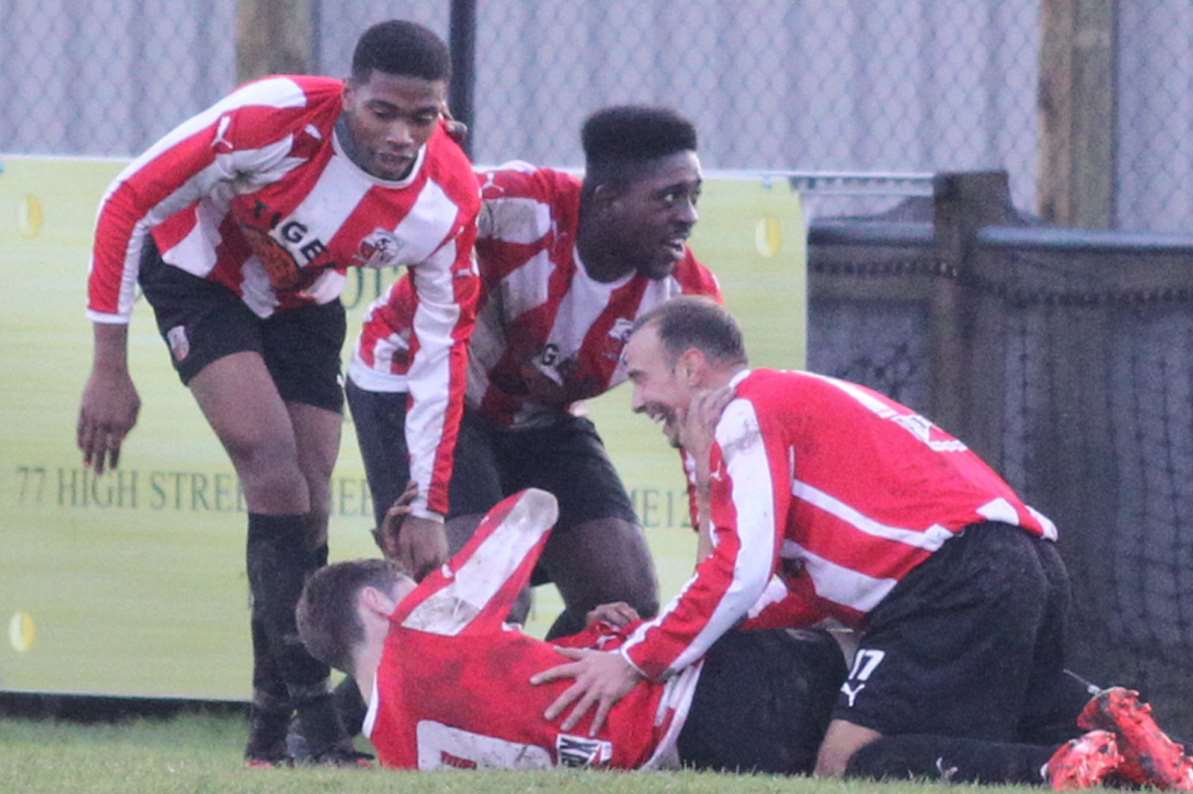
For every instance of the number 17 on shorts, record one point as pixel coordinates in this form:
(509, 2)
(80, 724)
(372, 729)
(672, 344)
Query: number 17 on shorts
(865, 662)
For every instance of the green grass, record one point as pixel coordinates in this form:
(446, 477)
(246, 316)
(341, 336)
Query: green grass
(201, 753)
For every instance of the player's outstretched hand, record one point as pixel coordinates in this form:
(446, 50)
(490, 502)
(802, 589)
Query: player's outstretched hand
(107, 413)
(602, 679)
(618, 614)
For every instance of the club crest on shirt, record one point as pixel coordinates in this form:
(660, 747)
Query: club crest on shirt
(180, 345)
(379, 249)
(621, 329)
(583, 751)
(281, 267)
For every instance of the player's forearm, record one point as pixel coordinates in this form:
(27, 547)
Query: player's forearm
(436, 404)
(720, 594)
(110, 348)
(438, 380)
(115, 255)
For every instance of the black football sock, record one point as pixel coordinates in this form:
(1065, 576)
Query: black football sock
(949, 759)
(350, 705)
(277, 566)
(270, 710)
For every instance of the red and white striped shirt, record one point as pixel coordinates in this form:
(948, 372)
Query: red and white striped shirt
(830, 477)
(453, 686)
(547, 333)
(256, 194)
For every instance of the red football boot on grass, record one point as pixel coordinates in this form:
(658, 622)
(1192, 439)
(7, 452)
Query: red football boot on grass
(1150, 758)
(1084, 762)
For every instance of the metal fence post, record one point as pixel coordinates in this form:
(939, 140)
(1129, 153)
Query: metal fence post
(463, 50)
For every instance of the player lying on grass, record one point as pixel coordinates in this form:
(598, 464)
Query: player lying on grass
(447, 680)
(447, 683)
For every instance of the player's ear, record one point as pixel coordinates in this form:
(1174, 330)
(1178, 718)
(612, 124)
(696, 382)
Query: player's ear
(604, 197)
(376, 601)
(691, 365)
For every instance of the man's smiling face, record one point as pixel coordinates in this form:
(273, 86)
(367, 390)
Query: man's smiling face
(657, 388)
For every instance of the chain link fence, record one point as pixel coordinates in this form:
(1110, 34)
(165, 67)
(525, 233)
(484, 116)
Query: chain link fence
(108, 77)
(1155, 115)
(832, 85)
(1062, 357)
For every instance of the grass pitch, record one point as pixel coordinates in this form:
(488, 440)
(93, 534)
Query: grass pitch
(201, 753)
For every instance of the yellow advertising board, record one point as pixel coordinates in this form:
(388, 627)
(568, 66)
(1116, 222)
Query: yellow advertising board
(133, 583)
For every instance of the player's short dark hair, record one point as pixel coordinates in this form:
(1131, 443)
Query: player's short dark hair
(326, 611)
(401, 47)
(624, 136)
(689, 321)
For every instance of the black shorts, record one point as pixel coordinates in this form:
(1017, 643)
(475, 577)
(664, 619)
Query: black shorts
(763, 702)
(969, 644)
(202, 321)
(566, 458)
(379, 418)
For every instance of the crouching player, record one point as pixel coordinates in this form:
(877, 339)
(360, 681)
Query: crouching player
(447, 681)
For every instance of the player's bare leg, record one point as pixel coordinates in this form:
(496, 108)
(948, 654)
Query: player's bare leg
(841, 741)
(240, 401)
(317, 438)
(599, 562)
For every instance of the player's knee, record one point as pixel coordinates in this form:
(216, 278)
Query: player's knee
(269, 466)
(646, 603)
(260, 455)
(643, 590)
(639, 580)
(632, 583)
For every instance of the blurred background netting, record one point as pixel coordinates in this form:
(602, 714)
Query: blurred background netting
(109, 77)
(833, 85)
(1065, 359)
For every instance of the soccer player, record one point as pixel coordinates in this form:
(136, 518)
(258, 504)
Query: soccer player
(239, 226)
(566, 266)
(448, 681)
(879, 519)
